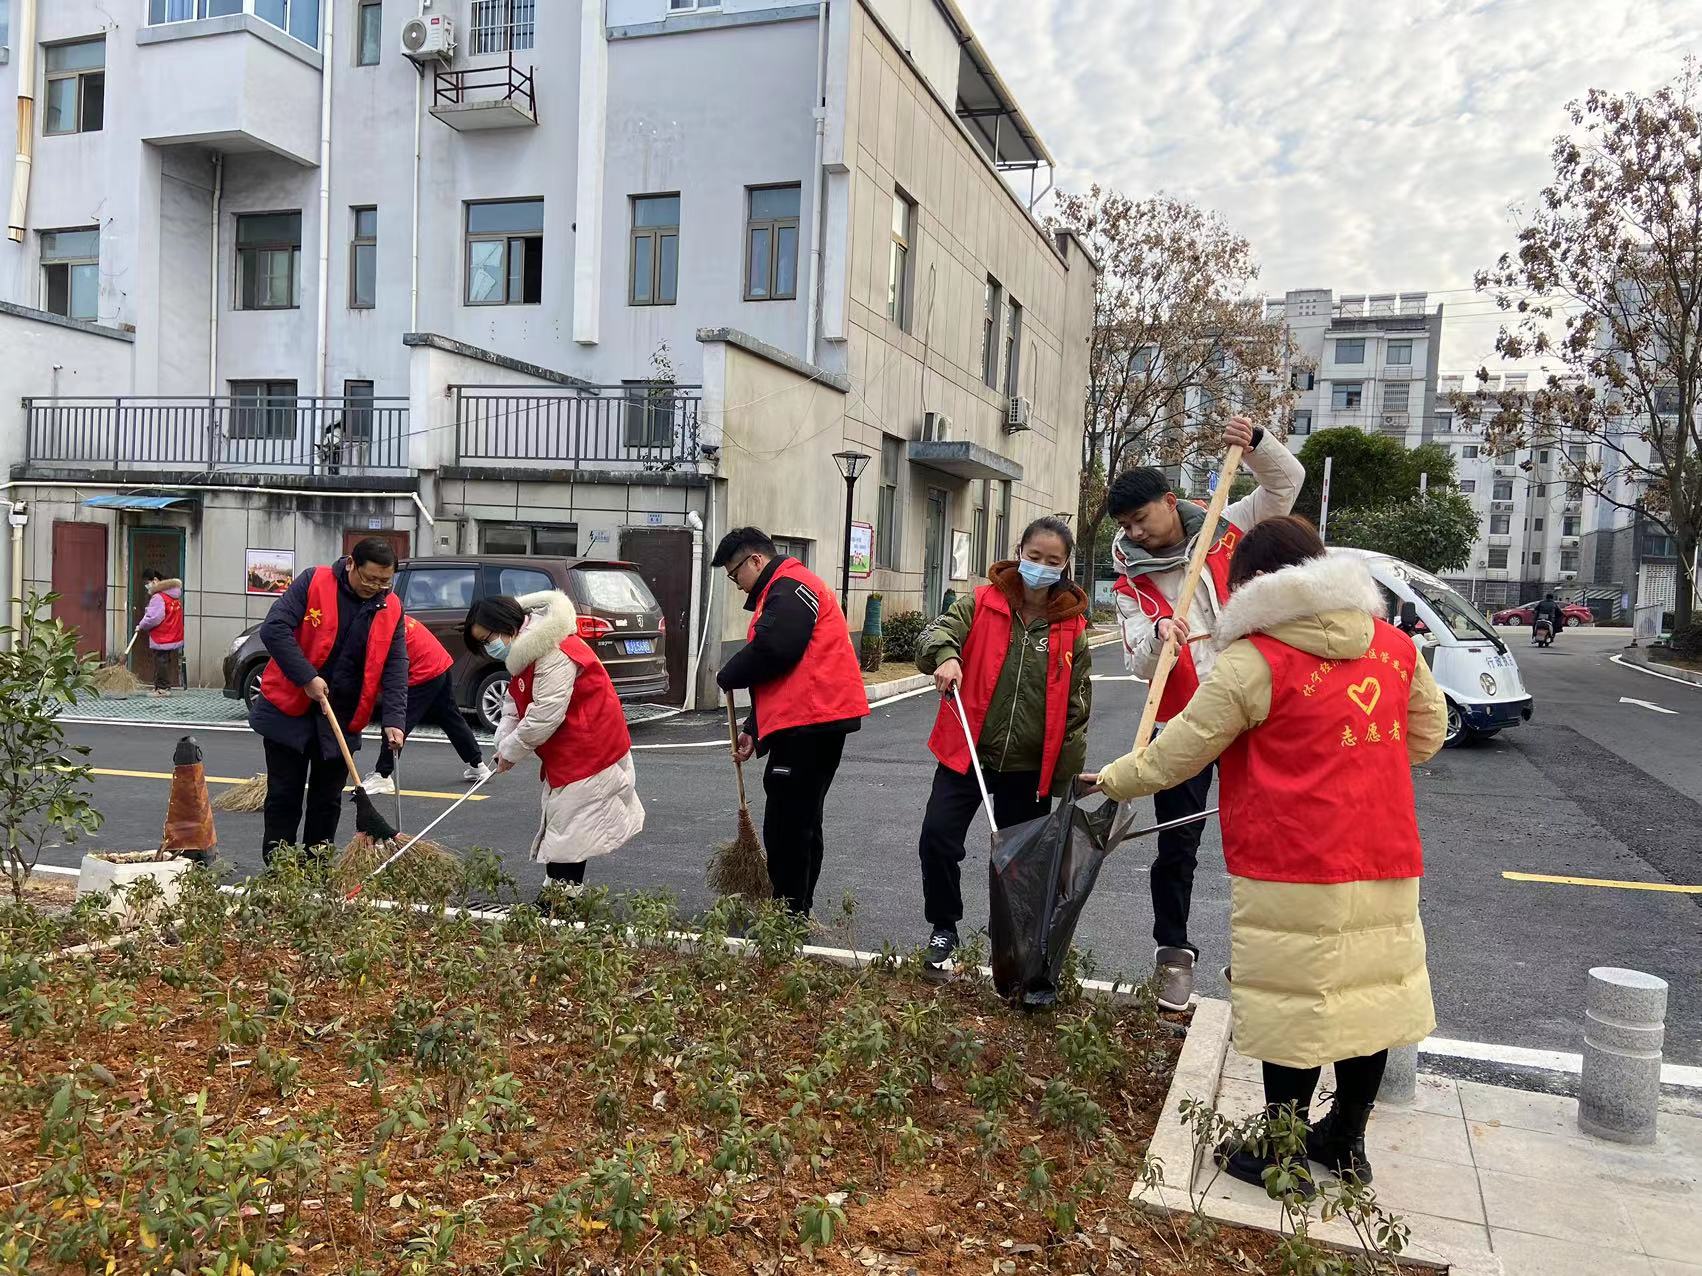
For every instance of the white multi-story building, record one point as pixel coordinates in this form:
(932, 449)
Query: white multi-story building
(508, 276)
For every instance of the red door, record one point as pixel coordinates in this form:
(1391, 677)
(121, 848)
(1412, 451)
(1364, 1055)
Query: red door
(398, 540)
(79, 578)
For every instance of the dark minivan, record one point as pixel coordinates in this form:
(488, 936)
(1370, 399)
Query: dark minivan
(618, 616)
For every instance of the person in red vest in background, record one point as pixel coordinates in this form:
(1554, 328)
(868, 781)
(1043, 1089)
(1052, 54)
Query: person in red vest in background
(162, 621)
(431, 700)
(1316, 711)
(1151, 557)
(335, 638)
(562, 708)
(806, 697)
(1016, 652)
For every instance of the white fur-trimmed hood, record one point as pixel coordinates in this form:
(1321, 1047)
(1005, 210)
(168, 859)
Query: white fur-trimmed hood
(552, 618)
(1304, 592)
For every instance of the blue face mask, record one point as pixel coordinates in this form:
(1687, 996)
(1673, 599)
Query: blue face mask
(1039, 575)
(496, 648)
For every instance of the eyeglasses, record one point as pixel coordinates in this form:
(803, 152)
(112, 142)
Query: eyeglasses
(736, 568)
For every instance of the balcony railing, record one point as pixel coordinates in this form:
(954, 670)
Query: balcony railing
(253, 433)
(598, 427)
(1402, 372)
(485, 96)
(300, 18)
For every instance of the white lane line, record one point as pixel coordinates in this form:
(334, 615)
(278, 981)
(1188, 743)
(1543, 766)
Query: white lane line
(245, 729)
(903, 695)
(56, 869)
(1623, 663)
(1117, 677)
(1547, 1060)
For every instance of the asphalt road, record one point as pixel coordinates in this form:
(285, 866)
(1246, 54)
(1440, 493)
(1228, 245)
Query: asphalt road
(1592, 788)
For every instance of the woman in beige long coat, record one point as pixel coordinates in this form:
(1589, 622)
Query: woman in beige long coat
(1317, 709)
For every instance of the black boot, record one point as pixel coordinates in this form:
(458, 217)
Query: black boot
(1338, 1141)
(1247, 1160)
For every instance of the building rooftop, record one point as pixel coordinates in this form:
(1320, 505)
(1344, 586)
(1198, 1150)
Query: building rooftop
(986, 105)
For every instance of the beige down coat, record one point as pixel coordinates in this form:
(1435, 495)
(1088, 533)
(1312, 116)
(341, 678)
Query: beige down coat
(589, 817)
(1318, 972)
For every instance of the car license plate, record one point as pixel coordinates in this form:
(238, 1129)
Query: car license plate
(641, 646)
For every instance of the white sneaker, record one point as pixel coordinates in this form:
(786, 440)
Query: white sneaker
(376, 783)
(474, 774)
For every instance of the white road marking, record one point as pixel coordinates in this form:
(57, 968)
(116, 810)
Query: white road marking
(903, 695)
(1117, 677)
(1647, 704)
(1675, 1074)
(245, 729)
(1623, 663)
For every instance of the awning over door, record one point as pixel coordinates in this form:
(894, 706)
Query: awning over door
(138, 501)
(962, 459)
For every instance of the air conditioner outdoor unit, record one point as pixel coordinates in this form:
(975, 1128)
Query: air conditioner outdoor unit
(1568, 575)
(427, 39)
(1016, 414)
(936, 427)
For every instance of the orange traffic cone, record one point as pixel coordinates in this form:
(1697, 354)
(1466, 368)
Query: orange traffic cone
(189, 828)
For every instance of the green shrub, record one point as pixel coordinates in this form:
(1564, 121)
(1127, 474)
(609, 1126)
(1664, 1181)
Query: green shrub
(901, 631)
(1687, 642)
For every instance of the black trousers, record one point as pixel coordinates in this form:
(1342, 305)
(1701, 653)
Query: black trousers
(433, 703)
(800, 772)
(565, 872)
(1357, 1083)
(1172, 874)
(295, 775)
(952, 807)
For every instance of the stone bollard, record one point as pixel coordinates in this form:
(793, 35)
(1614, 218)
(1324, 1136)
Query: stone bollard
(1400, 1077)
(1624, 1028)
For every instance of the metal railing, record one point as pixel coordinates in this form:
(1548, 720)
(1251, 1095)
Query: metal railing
(1402, 372)
(621, 427)
(257, 433)
(449, 87)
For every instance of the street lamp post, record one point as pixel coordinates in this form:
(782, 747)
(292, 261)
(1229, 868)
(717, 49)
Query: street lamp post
(850, 464)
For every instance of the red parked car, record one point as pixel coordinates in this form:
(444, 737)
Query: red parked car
(1576, 614)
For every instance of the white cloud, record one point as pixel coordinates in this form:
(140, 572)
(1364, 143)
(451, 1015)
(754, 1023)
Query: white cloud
(1361, 145)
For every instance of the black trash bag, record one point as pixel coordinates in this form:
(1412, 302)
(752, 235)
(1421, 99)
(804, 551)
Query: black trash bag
(1039, 877)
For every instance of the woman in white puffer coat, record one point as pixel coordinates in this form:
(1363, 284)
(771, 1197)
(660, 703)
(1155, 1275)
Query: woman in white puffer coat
(561, 707)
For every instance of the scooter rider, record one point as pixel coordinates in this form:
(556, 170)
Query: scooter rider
(1547, 610)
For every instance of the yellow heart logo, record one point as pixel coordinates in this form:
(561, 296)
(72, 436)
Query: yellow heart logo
(1366, 695)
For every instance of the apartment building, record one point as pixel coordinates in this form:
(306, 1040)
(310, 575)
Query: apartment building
(506, 276)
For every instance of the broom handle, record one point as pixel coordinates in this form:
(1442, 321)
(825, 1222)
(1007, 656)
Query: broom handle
(403, 849)
(337, 730)
(975, 761)
(1185, 600)
(733, 736)
(129, 646)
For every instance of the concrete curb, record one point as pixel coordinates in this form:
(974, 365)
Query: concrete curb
(1639, 658)
(903, 686)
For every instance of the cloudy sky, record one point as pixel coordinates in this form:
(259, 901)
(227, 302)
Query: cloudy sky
(1361, 145)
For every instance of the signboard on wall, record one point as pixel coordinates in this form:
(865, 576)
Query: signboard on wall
(862, 549)
(269, 571)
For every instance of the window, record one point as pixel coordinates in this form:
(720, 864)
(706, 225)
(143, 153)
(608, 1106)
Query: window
(3, 31)
(1502, 491)
(1577, 454)
(1536, 525)
(268, 260)
(649, 414)
(1568, 560)
(369, 32)
(1400, 353)
(70, 273)
(438, 588)
(978, 531)
(898, 261)
(1002, 525)
(1302, 423)
(771, 243)
(1469, 451)
(1468, 486)
(505, 252)
(791, 547)
(357, 411)
(502, 26)
(655, 255)
(888, 512)
(1666, 400)
(1351, 351)
(160, 11)
(1347, 394)
(1536, 558)
(692, 6)
(1542, 489)
(1396, 396)
(76, 87)
(1444, 423)
(1542, 457)
(363, 259)
(992, 302)
(1013, 349)
(1569, 525)
(1498, 557)
(1500, 524)
(1302, 379)
(561, 539)
(262, 410)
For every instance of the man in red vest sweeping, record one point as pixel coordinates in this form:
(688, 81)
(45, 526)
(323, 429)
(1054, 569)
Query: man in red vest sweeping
(335, 638)
(1151, 555)
(431, 701)
(806, 697)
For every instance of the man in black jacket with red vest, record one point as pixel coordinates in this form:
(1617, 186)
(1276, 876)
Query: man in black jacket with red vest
(350, 660)
(806, 697)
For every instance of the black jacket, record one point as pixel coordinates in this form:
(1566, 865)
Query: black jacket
(1549, 608)
(783, 634)
(343, 672)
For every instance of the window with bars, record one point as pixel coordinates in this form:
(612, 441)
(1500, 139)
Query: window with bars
(502, 26)
(649, 414)
(1498, 557)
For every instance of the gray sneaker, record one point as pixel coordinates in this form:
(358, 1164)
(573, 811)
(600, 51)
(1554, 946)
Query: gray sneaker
(1175, 976)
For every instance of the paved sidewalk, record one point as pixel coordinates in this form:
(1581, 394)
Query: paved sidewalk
(1491, 1180)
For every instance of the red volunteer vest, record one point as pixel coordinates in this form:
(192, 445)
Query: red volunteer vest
(593, 736)
(169, 632)
(317, 635)
(827, 684)
(983, 657)
(1321, 790)
(427, 657)
(1184, 678)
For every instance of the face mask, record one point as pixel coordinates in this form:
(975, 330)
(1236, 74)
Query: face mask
(496, 648)
(1039, 575)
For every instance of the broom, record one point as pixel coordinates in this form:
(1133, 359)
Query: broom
(250, 795)
(739, 867)
(364, 854)
(116, 678)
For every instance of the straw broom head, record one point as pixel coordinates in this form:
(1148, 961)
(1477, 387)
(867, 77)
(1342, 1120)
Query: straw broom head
(428, 869)
(739, 867)
(250, 795)
(115, 680)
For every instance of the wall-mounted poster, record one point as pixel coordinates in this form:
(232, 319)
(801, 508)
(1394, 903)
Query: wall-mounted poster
(959, 555)
(862, 549)
(270, 571)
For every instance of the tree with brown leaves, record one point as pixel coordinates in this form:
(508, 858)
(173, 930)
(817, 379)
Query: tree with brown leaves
(1607, 284)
